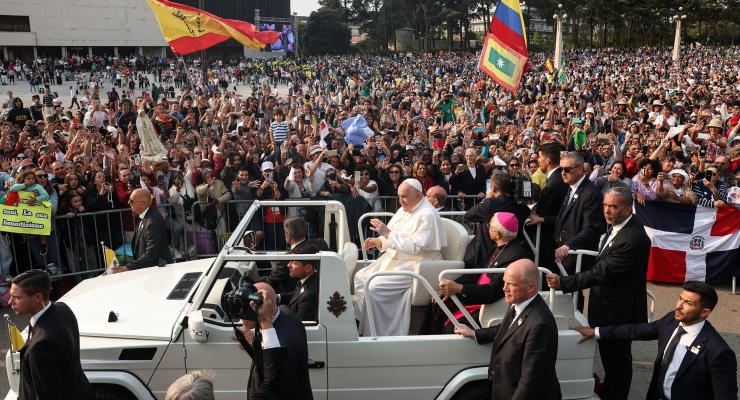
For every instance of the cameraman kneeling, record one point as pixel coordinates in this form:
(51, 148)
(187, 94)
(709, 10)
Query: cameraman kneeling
(280, 363)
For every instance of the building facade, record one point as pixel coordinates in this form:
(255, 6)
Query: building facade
(56, 28)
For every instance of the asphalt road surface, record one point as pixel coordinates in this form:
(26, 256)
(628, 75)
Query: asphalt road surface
(724, 318)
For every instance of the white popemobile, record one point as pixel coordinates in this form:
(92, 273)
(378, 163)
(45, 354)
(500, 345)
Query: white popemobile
(170, 320)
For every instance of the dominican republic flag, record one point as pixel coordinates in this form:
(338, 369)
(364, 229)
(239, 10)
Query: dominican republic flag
(691, 242)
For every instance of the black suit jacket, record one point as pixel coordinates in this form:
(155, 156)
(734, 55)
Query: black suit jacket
(548, 207)
(285, 369)
(50, 361)
(280, 279)
(523, 356)
(484, 294)
(483, 211)
(149, 244)
(711, 373)
(617, 279)
(464, 181)
(303, 302)
(580, 223)
(479, 250)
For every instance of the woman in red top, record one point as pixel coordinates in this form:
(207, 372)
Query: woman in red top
(420, 171)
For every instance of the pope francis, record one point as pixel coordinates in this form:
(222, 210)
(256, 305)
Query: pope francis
(414, 233)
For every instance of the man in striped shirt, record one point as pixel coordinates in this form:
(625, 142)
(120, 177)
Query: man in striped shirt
(48, 101)
(279, 127)
(710, 191)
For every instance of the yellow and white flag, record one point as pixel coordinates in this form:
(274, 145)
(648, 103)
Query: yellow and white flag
(16, 339)
(110, 258)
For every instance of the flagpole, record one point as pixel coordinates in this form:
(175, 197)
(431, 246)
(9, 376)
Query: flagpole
(8, 323)
(204, 69)
(102, 248)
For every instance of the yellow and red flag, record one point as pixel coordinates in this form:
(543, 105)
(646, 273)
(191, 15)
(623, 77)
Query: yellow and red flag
(189, 29)
(548, 65)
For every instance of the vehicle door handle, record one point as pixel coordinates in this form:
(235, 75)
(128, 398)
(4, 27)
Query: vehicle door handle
(316, 364)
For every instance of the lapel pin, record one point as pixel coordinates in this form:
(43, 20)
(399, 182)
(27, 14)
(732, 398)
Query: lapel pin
(302, 289)
(695, 349)
(519, 322)
(575, 196)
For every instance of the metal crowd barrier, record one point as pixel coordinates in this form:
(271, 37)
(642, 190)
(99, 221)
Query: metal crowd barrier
(73, 249)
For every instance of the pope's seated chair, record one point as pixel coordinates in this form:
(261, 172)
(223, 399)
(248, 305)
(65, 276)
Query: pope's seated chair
(452, 255)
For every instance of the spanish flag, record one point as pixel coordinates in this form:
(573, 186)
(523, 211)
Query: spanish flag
(548, 65)
(504, 54)
(189, 29)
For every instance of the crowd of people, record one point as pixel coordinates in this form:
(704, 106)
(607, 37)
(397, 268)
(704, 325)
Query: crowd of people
(665, 131)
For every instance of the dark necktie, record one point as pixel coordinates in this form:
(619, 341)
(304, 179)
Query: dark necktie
(606, 238)
(30, 332)
(508, 318)
(513, 317)
(668, 355)
(298, 288)
(567, 197)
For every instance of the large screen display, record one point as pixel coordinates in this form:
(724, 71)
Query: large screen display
(286, 42)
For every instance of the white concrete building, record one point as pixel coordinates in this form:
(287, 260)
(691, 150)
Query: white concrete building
(59, 27)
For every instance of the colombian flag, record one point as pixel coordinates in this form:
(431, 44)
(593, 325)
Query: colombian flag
(189, 29)
(504, 54)
(502, 63)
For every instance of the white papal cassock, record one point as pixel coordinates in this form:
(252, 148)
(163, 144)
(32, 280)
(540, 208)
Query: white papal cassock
(414, 236)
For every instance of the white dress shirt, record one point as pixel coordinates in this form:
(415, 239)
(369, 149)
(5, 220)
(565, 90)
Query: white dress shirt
(269, 336)
(684, 344)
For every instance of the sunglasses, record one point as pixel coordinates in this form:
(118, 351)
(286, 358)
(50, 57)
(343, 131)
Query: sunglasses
(394, 172)
(566, 170)
(514, 165)
(42, 176)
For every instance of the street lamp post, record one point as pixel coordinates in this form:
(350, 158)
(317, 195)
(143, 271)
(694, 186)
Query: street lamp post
(677, 40)
(559, 17)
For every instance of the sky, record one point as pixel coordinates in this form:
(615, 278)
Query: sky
(303, 7)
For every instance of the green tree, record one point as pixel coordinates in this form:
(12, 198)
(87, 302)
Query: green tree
(325, 33)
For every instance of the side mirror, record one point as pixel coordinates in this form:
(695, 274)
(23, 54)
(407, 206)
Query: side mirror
(196, 327)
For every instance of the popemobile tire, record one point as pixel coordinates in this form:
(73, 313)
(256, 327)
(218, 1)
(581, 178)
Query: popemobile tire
(112, 392)
(476, 390)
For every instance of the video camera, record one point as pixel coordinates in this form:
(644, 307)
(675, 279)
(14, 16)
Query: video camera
(521, 188)
(237, 302)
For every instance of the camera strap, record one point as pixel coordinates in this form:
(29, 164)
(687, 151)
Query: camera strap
(255, 353)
